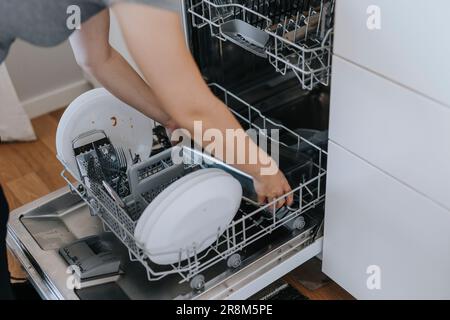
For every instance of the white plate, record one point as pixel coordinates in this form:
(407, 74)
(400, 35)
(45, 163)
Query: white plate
(99, 110)
(193, 216)
(144, 222)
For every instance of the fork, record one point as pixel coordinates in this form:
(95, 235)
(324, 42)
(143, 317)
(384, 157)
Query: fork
(122, 164)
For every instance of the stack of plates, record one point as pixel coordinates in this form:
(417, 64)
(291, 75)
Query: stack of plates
(100, 110)
(191, 213)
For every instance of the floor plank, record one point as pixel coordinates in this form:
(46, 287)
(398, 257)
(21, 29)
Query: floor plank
(45, 129)
(13, 202)
(57, 114)
(330, 291)
(30, 170)
(12, 165)
(28, 188)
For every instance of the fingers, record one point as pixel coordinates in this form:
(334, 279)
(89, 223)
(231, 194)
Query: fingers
(275, 191)
(261, 199)
(281, 203)
(287, 200)
(290, 197)
(278, 199)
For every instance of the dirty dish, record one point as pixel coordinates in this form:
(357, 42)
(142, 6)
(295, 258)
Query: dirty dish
(100, 110)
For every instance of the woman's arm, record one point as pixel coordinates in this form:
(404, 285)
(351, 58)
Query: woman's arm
(94, 54)
(156, 41)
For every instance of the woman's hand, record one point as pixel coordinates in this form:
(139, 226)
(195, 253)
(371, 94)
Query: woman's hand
(271, 187)
(170, 126)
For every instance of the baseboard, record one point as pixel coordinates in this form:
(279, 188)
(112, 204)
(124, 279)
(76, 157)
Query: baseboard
(55, 99)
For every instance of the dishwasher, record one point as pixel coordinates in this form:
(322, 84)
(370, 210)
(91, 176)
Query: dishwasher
(269, 61)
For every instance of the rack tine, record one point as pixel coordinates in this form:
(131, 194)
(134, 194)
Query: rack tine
(122, 159)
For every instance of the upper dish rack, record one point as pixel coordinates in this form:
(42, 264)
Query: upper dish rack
(252, 222)
(294, 35)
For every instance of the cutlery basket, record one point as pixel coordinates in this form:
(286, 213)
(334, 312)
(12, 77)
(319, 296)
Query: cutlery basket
(251, 223)
(294, 35)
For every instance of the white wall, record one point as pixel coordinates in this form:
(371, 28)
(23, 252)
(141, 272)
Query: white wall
(45, 78)
(49, 78)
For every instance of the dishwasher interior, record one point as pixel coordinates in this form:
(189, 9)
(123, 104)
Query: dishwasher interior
(287, 84)
(269, 61)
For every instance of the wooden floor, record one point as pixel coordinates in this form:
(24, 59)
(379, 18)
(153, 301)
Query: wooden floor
(29, 171)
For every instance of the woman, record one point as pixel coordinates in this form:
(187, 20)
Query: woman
(173, 93)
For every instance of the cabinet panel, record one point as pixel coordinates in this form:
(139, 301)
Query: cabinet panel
(395, 129)
(373, 221)
(411, 47)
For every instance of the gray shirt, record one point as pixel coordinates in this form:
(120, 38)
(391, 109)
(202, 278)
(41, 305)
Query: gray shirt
(44, 22)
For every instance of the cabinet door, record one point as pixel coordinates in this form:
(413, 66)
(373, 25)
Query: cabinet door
(397, 130)
(375, 224)
(412, 47)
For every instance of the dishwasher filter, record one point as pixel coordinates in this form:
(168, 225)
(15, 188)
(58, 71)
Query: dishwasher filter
(92, 261)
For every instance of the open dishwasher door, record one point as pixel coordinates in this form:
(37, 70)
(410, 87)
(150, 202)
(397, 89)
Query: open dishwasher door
(37, 231)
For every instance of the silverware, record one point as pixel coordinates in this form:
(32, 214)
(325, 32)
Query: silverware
(300, 33)
(113, 194)
(93, 172)
(108, 158)
(136, 158)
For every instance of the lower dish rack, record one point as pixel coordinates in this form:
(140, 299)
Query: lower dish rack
(294, 35)
(252, 222)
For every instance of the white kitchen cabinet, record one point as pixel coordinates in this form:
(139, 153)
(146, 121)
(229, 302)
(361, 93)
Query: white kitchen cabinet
(395, 129)
(387, 205)
(411, 48)
(373, 221)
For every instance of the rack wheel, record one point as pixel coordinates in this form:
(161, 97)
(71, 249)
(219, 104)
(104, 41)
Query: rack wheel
(77, 190)
(234, 261)
(198, 282)
(299, 223)
(81, 189)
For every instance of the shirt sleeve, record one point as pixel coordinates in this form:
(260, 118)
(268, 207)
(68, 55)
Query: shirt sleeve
(5, 45)
(172, 5)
